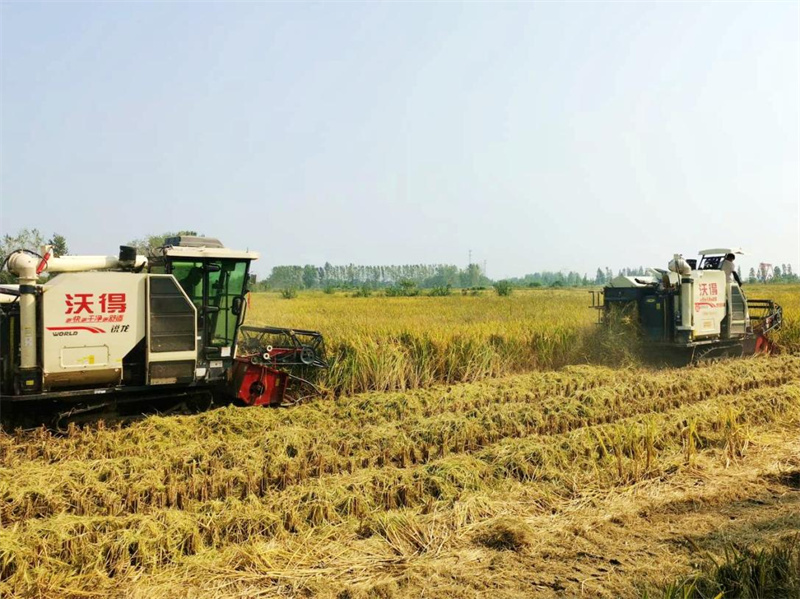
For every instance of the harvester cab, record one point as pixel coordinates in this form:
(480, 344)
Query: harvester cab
(102, 331)
(691, 307)
(214, 280)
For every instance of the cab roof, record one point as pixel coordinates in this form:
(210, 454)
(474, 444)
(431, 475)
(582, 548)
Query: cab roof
(191, 246)
(721, 251)
(202, 252)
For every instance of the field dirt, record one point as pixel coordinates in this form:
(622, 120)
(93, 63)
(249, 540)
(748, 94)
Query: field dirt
(588, 481)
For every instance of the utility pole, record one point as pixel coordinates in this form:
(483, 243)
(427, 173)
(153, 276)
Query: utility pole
(470, 258)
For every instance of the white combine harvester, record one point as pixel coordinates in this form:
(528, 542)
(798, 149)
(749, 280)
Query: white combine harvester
(106, 330)
(692, 307)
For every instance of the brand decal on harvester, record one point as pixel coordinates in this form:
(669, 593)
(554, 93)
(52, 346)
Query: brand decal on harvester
(105, 307)
(75, 330)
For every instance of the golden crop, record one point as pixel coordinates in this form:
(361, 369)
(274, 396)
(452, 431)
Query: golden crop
(788, 296)
(384, 343)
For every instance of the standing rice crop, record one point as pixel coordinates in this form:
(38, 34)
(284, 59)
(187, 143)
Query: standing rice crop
(388, 343)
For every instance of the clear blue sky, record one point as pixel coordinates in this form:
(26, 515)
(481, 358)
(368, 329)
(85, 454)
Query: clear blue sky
(538, 135)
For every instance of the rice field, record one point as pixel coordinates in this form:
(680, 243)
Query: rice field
(387, 343)
(507, 478)
(396, 343)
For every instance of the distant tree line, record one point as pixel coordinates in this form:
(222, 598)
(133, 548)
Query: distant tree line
(777, 274)
(552, 279)
(423, 276)
(435, 276)
(572, 278)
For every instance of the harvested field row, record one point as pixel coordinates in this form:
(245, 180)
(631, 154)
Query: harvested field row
(237, 465)
(102, 550)
(576, 392)
(596, 543)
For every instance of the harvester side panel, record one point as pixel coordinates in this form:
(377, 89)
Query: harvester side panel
(708, 302)
(89, 322)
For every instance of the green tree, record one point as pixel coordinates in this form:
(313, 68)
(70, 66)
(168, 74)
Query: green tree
(600, 277)
(471, 277)
(25, 239)
(445, 275)
(403, 288)
(503, 288)
(310, 276)
(286, 277)
(59, 243)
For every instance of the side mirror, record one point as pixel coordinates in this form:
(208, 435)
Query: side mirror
(237, 305)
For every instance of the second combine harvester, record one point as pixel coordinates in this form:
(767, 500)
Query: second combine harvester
(692, 309)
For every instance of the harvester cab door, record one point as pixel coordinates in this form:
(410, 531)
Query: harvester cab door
(216, 286)
(226, 287)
